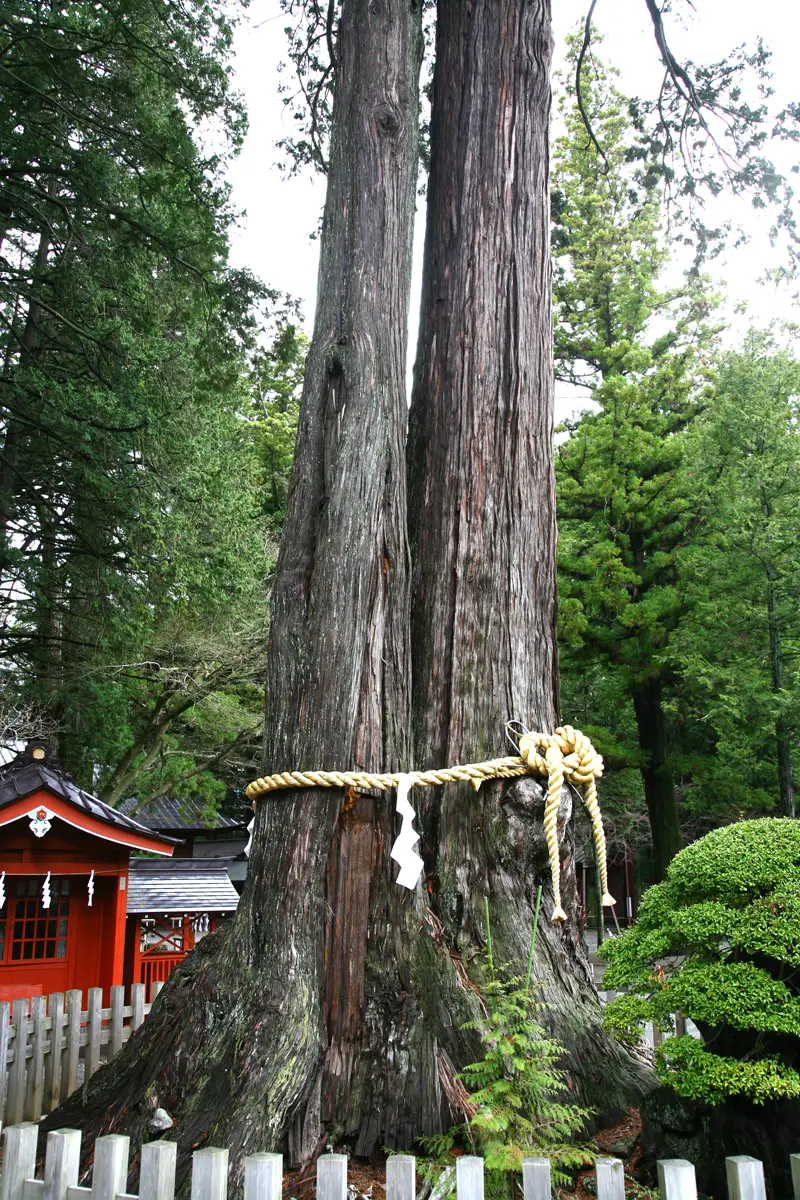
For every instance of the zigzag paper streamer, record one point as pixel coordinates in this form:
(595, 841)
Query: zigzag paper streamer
(403, 851)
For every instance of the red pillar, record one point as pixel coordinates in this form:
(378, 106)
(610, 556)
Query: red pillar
(119, 910)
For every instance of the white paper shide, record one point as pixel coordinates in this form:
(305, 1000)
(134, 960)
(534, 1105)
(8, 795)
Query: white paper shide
(403, 851)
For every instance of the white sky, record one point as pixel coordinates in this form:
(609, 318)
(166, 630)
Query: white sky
(280, 214)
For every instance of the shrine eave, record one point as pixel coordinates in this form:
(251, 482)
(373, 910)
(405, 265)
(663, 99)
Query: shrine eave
(35, 785)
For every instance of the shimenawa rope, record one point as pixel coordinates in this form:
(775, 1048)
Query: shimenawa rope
(566, 754)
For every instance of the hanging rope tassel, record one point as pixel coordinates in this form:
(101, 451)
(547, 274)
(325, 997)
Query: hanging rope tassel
(566, 754)
(569, 754)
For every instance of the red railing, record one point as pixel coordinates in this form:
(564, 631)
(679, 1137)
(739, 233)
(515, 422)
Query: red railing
(156, 969)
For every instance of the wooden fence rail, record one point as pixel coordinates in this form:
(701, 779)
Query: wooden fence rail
(46, 1052)
(263, 1173)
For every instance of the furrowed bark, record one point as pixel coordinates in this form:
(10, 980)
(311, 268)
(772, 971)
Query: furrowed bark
(482, 515)
(271, 1029)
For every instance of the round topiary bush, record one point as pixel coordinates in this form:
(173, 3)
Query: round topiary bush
(719, 941)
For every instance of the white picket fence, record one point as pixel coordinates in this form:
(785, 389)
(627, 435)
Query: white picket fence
(47, 1053)
(263, 1173)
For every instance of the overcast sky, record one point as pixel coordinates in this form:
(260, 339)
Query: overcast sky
(273, 237)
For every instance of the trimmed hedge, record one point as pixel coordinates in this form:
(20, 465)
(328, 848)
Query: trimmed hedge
(719, 941)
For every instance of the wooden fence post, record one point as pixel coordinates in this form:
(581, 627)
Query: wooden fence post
(676, 1180)
(332, 1177)
(745, 1178)
(469, 1177)
(210, 1174)
(5, 1026)
(117, 1005)
(401, 1177)
(69, 1077)
(61, 1163)
(110, 1171)
(536, 1178)
(19, 1157)
(610, 1179)
(263, 1177)
(157, 1171)
(137, 1004)
(34, 1088)
(794, 1159)
(16, 1076)
(94, 1024)
(52, 1068)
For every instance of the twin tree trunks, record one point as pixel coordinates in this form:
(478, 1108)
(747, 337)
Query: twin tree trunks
(413, 613)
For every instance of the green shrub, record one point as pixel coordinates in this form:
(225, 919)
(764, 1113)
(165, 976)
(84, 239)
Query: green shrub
(719, 941)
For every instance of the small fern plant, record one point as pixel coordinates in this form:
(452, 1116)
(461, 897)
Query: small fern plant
(515, 1107)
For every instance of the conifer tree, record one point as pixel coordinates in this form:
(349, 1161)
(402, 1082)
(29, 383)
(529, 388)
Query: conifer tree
(641, 349)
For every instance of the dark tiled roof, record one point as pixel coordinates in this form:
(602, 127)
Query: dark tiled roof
(16, 782)
(165, 813)
(184, 885)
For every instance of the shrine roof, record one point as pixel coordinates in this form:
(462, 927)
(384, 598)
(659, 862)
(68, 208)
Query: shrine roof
(36, 768)
(166, 813)
(184, 885)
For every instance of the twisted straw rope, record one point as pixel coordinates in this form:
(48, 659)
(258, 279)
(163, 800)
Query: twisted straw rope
(567, 754)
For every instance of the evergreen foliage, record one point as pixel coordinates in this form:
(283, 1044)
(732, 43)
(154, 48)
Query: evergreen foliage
(643, 350)
(133, 540)
(719, 941)
(736, 645)
(277, 381)
(678, 510)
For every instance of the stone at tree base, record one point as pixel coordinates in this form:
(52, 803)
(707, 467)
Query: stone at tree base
(623, 1146)
(676, 1128)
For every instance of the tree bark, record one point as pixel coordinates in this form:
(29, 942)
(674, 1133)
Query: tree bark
(279, 1029)
(482, 518)
(659, 785)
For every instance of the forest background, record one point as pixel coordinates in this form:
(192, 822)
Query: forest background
(150, 389)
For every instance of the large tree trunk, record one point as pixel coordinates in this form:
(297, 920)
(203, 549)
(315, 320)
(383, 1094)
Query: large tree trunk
(482, 515)
(334, 1005)
(278, 1027)
(659, 784)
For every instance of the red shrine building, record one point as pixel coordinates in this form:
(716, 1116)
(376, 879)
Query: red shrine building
(76, 910)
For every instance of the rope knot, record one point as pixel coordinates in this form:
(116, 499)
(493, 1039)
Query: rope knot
(567, 754)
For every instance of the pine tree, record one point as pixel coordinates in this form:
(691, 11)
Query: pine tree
(641, 349)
